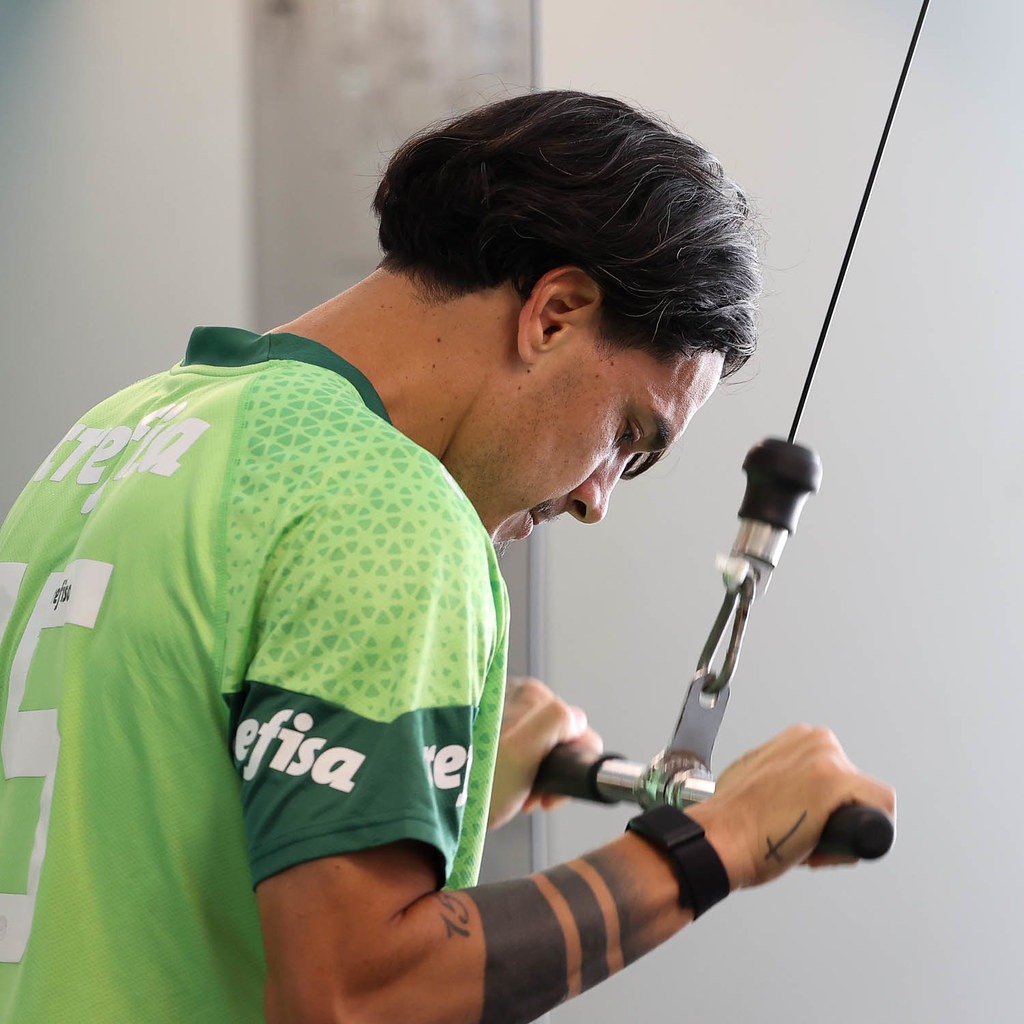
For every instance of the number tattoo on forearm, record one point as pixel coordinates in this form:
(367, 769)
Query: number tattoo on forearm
(454, 913)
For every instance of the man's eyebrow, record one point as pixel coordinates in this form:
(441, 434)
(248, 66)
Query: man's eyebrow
(662, 434)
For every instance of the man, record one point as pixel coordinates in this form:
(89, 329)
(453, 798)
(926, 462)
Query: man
(254, 628)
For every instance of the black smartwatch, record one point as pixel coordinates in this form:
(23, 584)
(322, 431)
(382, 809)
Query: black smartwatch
(702, 877)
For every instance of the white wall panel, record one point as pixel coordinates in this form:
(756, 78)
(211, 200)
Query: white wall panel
(892, 617)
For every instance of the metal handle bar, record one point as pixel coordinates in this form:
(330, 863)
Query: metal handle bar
(854, 830)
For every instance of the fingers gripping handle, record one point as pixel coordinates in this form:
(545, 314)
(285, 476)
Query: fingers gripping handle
(855, 830)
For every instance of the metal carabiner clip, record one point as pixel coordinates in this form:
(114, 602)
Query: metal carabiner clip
(708, 693)
(735, 606)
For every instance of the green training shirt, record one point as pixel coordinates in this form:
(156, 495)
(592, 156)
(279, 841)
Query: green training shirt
(244, 622)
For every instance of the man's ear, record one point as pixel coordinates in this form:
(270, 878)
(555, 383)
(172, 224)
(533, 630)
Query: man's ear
(562, 300)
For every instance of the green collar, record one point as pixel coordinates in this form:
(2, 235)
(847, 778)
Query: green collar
(231, 346)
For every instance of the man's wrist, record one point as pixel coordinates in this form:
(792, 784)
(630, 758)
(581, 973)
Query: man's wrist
(703, 880)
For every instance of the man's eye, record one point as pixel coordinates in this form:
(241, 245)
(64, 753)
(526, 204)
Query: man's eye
(629, 437)
(640, 463)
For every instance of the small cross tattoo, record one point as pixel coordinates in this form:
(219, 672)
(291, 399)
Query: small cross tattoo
(773, 848)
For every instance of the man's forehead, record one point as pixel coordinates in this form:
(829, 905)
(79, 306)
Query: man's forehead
(679, 389)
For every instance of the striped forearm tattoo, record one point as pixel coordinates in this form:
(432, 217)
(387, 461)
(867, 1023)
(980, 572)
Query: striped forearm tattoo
(551, 936)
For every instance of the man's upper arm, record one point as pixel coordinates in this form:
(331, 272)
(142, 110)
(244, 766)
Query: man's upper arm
(334, 941)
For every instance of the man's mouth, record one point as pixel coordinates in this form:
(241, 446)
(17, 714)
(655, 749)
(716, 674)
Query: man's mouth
(526, 521)
(543, 512)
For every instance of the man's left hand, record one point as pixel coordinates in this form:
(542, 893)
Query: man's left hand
(534, 722)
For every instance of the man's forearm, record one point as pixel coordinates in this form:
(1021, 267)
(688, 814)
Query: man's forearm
(495, 954)
(557, 933)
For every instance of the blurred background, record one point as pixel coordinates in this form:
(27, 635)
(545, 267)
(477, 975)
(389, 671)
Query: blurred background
(169, 164)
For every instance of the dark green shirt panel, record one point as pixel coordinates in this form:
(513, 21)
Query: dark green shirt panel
(318, 779)
(232, 346)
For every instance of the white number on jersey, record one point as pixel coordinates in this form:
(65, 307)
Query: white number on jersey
(30, 742)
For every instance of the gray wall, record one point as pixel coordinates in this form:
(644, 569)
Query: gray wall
(892, 617)
(336, 87)
(124, 201)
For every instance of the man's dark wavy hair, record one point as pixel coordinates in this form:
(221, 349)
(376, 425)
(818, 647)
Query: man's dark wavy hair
(518, 187)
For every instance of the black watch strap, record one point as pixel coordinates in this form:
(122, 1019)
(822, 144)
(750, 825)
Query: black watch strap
(702, 877)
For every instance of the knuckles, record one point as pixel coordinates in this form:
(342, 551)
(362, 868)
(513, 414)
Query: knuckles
(817, 738)
(529, 697)
(527, 690)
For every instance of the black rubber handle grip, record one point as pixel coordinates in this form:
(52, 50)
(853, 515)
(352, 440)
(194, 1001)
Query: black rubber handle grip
(857, 830)
(571, 770)
(780, 477)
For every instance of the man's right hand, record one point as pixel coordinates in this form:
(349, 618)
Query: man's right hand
(771, 805)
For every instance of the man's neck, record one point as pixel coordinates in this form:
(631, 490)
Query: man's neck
(429, 361)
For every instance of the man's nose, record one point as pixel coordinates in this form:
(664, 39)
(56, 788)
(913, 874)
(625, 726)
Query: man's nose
(589, 501)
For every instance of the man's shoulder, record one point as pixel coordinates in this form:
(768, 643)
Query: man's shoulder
(311, 431)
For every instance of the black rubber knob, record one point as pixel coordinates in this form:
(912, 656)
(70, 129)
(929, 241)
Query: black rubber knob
(780, 476)
(857, 831)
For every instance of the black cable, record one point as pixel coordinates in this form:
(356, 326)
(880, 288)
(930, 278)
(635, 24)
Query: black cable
(856, 223)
